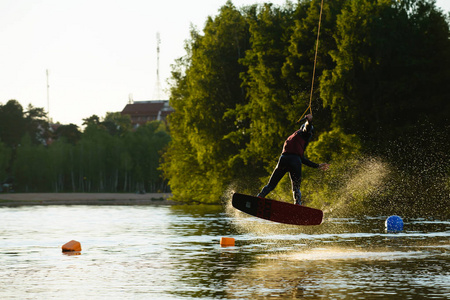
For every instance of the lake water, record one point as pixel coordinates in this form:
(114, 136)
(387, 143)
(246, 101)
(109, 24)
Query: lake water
(150, 252)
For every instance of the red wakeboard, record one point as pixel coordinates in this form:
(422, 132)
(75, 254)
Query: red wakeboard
(277, 211)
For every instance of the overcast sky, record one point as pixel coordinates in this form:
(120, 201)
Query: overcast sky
(97, 52)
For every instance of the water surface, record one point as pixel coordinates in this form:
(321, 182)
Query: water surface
(145, 252)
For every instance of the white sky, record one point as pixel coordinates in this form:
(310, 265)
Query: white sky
(97, 51)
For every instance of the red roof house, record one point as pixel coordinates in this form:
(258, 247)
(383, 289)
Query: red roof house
(142, 112)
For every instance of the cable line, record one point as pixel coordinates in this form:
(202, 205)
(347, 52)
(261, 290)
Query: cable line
(314, 68)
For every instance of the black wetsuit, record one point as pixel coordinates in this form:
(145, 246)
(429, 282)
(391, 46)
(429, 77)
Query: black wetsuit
(291, 161)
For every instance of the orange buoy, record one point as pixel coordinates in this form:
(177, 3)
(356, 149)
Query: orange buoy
(71, 246)
(226, 241)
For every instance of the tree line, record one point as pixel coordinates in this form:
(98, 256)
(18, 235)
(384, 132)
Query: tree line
(108, 156)
(380, 92)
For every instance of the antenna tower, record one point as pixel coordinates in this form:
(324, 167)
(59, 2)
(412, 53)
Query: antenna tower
(48, 97)
(157, 92)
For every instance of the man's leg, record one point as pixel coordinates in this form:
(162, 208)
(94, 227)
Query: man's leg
(297, 194)
(295, 173)
(276, 176)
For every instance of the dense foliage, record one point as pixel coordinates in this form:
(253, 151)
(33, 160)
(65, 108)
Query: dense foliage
(108, 156)
(380, 91)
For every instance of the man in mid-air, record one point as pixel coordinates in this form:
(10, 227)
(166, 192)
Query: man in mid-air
(291, 160)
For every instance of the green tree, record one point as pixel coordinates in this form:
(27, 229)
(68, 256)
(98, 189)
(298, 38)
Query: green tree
(206, 85)
(30, 169)
(94, 151)
(335, 146)
(116, 123)
(145, 146)
(37, 124)
(61, 166)
(69, 132)
(15, 124)
(12, 123)
(268, 110)
(5, 156)
(392, 64)
(93, 120)
(298, 68)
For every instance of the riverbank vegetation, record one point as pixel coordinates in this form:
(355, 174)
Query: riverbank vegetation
(380, 103)
(108, 156)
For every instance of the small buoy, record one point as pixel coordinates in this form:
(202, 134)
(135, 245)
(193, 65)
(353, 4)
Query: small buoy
(394, 223)
(71, 246)
(226, 241)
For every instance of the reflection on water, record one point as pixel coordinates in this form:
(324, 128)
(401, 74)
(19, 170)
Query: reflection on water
(144, 252)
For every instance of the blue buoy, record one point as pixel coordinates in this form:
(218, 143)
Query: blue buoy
(394, 224)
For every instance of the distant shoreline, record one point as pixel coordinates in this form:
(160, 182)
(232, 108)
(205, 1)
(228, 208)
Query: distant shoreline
(27, 199)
